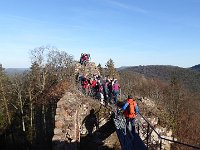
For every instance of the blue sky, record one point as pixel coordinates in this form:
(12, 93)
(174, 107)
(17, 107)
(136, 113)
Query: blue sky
(131, 32)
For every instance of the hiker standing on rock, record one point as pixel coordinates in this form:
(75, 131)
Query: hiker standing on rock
(84, 58)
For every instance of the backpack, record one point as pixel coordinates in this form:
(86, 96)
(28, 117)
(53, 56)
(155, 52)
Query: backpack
(131, 109)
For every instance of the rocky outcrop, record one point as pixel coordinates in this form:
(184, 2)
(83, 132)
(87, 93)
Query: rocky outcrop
(154, 122)
(72, 109)
(89, 70)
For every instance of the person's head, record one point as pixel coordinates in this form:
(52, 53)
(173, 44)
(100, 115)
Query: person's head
(129, 97)
(92, 111)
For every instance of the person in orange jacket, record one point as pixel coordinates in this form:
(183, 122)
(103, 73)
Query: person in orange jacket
(131, 110)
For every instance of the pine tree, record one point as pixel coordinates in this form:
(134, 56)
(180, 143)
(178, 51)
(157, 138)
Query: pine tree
(111, 72)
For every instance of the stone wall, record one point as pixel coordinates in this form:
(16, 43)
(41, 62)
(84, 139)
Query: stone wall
(66, 126)
(71, 110)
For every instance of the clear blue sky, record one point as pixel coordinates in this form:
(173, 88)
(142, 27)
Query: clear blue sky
(131, 32)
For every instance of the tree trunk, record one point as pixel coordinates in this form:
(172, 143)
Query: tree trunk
(44, 118)
(22, 111)
(31, 117)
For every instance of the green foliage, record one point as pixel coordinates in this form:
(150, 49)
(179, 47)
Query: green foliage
(111, 70)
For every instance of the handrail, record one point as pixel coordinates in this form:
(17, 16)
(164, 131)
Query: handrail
(162, 138)
(124, 135)
(120, 126)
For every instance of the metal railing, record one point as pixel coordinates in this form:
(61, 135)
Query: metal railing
(145, 130)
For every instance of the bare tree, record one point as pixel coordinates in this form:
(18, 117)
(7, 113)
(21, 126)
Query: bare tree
(61, 64)
(50, 68)
(18, 90)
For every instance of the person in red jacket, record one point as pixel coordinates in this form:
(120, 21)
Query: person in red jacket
(85, 86)
(93, 85)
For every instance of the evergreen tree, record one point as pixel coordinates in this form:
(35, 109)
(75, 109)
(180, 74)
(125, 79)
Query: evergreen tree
(110, 69)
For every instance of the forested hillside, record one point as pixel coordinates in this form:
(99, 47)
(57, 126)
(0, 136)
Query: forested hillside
(13, 71)
(196, 67)
(190, 79)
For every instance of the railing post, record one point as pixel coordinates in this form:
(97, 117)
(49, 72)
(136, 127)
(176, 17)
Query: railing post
(160, 143)
(148, 136)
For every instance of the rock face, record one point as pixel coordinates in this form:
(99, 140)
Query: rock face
(88, 70)
(72, 110)
(153, 120)
(66, 129)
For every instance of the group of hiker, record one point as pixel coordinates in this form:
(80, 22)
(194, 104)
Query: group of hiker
(84, 58)
(107, 91)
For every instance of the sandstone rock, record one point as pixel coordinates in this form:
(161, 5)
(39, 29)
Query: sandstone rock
(56, 138)
(57, 131)
(57, 117)
(88, 70)
(59, 124)
(60, 103)
(57, 110)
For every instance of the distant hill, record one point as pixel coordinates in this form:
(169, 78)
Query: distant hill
(196, 67)
(121, 68)
(12, 71)
(189, 78)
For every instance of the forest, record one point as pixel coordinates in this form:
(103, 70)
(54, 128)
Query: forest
(28, 100)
